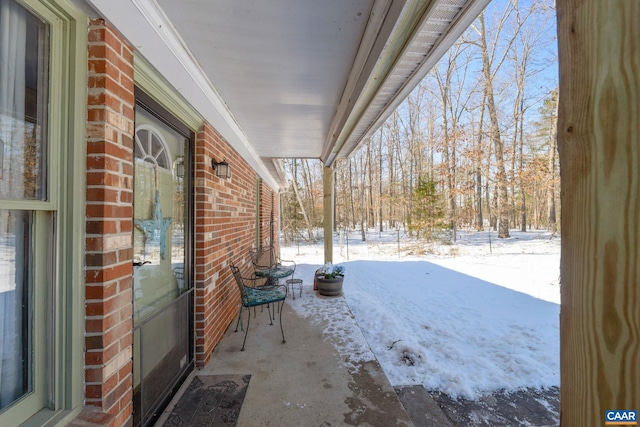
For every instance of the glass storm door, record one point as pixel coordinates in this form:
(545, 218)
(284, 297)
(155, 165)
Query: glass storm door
(161, 294)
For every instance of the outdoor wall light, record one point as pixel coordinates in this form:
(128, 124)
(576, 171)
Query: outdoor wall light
(1, 156)
(223, 170)
(179, 167)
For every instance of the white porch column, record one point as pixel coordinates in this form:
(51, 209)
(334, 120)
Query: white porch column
(327, 199)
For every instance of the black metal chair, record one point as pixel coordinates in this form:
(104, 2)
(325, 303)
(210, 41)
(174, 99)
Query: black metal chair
(253, 296)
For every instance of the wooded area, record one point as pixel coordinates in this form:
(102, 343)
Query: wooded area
(472, 147)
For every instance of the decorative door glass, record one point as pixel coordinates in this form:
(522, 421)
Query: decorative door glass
(159, 202)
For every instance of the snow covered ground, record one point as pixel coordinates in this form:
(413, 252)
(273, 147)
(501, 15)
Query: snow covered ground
(465, 319)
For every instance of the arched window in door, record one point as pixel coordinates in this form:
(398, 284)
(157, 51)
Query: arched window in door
(151, 147)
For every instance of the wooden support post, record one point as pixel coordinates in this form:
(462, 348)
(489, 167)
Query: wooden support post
(599, 145)
(327, 200)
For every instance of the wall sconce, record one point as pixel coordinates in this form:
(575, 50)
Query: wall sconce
(223, 170)
(1, 157)
(179, 167)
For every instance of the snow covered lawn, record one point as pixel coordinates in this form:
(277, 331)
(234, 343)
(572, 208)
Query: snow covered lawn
(465, 319)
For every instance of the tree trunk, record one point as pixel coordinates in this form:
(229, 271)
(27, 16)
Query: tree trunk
(351, 185)
(523, 195)
(392, 179)
(304, 212)
(380, 184)
(447, 151)
(362, 201)
(551, 200)
(306, 176)
(501, 176)
(370, 211)
(478, 170)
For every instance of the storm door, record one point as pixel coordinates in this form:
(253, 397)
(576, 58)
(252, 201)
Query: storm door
(162, 294)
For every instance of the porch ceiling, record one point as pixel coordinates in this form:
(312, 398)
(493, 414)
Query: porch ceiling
(291, 78)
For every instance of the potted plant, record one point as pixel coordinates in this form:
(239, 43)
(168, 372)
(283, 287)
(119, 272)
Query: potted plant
(328, 280)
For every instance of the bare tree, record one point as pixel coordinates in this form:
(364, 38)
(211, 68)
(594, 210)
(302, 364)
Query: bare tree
(492, 60)
(294, 184)
(380, 180)
(552, 169)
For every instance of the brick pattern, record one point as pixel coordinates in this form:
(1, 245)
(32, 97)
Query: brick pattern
(91, 416)
(275, 206)
(268, 213)
(109, 224)
(265, 215)
(225, 218)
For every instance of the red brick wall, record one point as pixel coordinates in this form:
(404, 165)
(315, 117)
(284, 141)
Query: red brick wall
(225, 231)
(109, 222)
(265, 212)
(225, 219)
(268, 212)
(276, 218)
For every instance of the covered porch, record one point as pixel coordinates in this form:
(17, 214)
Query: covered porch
(289, 79)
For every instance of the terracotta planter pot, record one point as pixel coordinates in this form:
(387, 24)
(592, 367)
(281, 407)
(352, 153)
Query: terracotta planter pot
(328, 287)
(315, 280)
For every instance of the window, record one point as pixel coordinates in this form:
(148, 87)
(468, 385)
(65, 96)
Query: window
(23, 81)
(40, 344)
(24, 42)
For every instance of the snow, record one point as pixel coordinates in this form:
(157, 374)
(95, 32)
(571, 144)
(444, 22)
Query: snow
(465, 319)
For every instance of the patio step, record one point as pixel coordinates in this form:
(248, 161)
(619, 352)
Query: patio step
(422, 409)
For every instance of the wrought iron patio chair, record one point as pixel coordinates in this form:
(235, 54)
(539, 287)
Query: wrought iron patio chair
(267, 263)
(253, 296)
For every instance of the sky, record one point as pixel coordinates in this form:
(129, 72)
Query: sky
(542, 65)
(466, 319)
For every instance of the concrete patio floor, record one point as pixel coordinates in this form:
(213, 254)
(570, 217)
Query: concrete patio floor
(324, 375)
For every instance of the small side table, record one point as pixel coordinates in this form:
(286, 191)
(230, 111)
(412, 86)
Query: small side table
(295, 282)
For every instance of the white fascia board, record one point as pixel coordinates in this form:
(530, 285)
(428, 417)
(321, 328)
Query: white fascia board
(453, 33)
(358, 75)
(466, 17)
(147, 28)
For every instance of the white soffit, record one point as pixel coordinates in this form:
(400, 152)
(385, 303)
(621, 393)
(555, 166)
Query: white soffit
(280, 65)
(443, 23)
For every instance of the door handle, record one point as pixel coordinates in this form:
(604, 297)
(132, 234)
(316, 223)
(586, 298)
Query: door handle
(140, 263)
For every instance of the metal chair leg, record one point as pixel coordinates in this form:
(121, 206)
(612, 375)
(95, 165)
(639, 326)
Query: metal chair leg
(282, 330)
(247, 331)
(239, 322)
(269, 311)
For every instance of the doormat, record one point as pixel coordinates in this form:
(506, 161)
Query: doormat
(210, 401)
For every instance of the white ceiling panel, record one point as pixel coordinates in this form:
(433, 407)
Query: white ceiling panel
(281, 66)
